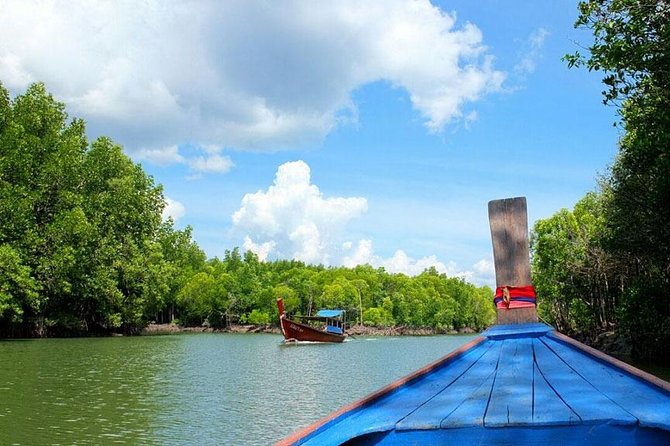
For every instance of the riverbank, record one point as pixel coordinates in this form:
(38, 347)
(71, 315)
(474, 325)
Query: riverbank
(609, 342)
(156, 329)
(355, 330)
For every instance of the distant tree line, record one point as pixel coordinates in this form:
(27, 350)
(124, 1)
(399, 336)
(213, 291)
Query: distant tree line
(240, 289)
(84, 250)
(606, 264)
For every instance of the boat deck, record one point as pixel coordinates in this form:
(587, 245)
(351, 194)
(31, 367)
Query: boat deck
(513, 377)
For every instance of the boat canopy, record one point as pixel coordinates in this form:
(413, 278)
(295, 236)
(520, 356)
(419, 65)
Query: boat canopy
(330, 313)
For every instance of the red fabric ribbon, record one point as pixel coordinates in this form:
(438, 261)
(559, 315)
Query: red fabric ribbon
(515, 296)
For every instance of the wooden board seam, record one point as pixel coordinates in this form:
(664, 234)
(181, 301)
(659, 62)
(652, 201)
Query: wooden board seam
(306, 432)
(607, 359)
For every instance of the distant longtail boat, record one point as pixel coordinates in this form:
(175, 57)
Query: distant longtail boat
(326, 326)
(518, 383)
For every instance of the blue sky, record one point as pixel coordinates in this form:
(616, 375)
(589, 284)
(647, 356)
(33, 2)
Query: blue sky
(336, 133)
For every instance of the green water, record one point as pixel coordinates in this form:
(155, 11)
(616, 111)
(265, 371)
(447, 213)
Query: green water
(190, 389)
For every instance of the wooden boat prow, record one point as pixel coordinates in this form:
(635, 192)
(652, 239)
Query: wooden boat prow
(516, 383)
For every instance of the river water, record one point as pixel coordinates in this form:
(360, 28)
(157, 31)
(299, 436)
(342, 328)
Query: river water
(232, 389)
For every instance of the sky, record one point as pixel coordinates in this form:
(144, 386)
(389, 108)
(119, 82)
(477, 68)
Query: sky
(336, 133)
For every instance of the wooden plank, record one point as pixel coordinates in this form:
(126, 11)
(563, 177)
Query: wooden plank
(516, 315)
(471, 411)
(649, 404)
(511, 401)
(597, 354)
(502, 331)
(300, 436)
(509, 233)
(563, 375)
(508, 220)
(382, 413)
(580, 435)
(548, 407)
(467, 387)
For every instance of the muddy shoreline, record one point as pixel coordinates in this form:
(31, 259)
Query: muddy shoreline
(356, 330)
(608, 342)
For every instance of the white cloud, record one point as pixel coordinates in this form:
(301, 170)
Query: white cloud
(173, 209)
(14, 75)
(470, 119)
(213, 163)
(162, 156)
(537, 38)
(400, 262)
(482, 273)
(261, 250)
(293, 219)
(254, 75)
(362, 255)
(532, 51)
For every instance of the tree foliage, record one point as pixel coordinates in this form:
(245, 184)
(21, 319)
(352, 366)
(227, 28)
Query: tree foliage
(82, 243)
(429, 300)
(83, 249)
(630, 46)
(618, 272)
(577, 279)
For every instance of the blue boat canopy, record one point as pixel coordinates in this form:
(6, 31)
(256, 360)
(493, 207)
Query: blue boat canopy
(334, 329)
(330, 313)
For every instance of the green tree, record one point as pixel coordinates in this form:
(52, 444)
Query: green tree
(632, 47)
(18, 290)
(290, 297)
(83, 249)
(80, 225)
(380, 316)
(575, 278)
(341, 293)
(203, 300)
(257, 317)
(182, 259)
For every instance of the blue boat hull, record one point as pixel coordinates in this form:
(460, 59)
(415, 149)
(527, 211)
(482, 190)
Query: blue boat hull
(516, 384)
(546, 436)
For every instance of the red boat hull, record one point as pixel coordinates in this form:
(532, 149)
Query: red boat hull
(295, 331)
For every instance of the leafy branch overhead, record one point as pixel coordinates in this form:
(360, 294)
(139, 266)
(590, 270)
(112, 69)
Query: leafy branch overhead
(630, 45)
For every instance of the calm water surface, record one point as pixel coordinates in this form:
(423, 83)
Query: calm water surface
(233, 389)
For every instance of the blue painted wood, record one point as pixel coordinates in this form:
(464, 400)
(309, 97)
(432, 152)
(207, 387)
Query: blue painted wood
(648, 404)
(581, 435)
(383, 414)
(512, 396)
(584, 399)
(471, 388)
(471, 411)
(514, 388)
(548, 406)
(532, 329)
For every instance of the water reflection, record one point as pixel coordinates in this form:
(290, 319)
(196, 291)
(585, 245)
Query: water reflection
(190, 389)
